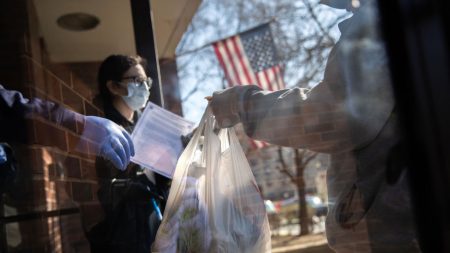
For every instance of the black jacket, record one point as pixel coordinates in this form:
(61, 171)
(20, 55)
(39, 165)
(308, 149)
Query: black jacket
(130, 222)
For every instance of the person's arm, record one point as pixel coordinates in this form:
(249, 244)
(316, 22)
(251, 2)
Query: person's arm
(13, 104)
(287, 117)
(103, 136)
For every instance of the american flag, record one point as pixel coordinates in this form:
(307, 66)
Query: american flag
(250, 58)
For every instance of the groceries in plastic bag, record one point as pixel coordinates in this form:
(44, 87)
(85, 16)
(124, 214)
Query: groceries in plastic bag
(214, 203)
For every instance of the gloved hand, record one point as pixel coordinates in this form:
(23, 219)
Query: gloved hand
(227, 104)
(109, 140)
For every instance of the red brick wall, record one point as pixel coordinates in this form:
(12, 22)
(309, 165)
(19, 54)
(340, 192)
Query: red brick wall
(50, 178)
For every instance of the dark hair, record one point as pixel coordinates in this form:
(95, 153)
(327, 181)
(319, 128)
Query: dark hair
(112, 69)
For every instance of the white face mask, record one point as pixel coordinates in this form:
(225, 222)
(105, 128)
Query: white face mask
(138, 93)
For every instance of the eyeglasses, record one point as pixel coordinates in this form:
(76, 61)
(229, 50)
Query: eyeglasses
(139, 81)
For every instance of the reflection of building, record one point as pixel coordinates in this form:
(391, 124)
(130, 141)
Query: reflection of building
(49, 54)
(276, 185)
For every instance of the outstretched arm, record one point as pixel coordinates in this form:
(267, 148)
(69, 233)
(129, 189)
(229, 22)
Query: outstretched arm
(104, 136)
(289, 117)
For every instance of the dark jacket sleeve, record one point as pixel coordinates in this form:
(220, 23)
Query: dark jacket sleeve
(16, 109)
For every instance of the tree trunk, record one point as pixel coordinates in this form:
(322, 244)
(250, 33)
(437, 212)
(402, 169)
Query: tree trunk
(303, 209)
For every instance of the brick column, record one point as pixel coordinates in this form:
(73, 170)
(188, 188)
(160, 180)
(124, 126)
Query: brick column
(53, 184)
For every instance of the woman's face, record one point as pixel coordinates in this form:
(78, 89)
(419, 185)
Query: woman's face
(133, 88)
(132, 74)
(138, 85)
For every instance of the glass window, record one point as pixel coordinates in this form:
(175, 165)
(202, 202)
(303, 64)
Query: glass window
(308, 86)
(323, 100)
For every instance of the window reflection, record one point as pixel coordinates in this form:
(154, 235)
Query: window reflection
(335, 146)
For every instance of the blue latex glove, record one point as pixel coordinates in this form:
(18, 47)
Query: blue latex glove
(109, 140)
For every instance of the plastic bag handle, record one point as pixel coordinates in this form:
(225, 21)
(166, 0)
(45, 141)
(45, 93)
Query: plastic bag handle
(188, 153)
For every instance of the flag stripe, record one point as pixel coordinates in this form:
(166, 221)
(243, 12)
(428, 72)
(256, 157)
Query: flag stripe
(270, 75)
(234, 57)
(262, 80)
(266, 77)
(223, 52)
(280, 81)
(276, 83)
(257, 81)
(216, 47)
(243, 61)
(278, 78)
(229, 57)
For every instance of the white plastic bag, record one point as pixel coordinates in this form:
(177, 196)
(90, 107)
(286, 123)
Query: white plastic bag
(214, 203)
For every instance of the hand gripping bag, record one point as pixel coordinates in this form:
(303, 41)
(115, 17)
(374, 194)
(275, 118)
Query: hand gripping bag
(214, 204)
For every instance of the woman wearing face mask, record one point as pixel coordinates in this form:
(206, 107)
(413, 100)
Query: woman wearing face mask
(128, 197)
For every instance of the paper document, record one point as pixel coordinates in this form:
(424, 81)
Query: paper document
(157, 139)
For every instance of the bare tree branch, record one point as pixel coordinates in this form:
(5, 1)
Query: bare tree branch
(316, 20)
(284, 168)
(312, 156)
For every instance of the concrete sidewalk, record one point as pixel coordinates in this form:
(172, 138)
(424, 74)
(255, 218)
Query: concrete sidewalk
(315, 243)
